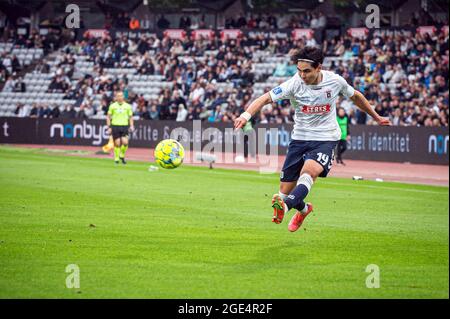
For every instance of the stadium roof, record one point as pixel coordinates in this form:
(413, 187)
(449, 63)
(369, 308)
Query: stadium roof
(17, 8)
(20, 7)
(195, 5)
(433, 5)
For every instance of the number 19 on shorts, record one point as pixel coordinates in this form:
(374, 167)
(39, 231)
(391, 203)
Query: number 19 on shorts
(324, 158)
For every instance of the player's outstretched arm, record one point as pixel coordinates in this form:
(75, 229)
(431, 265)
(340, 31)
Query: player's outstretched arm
(254, 108)
(360, 101)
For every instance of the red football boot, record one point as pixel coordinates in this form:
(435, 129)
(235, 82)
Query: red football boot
(298, 218)
(278, 209)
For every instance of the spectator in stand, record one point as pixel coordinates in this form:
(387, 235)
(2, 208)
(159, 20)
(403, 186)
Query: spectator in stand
(163, 23)
(9, 85)
(55, 112)
(134, 24)
(44, 111)
(34, 112)
(182, 113)
(109, 21)
(22, 110)
(16, 66)
(69, 112)
(7, 63)
(20, 85)
(126, 20)
(185, 22)
(154, 114)
(3, 73)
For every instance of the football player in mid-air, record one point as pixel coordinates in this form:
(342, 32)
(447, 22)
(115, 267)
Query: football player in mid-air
(313, 93)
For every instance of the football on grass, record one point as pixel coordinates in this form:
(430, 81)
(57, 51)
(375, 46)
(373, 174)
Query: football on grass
(169, 154)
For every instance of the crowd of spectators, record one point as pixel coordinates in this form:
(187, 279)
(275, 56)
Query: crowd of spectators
(273, 21)
(124, 20)
(11, 65)
(405, 76)
(193, 95)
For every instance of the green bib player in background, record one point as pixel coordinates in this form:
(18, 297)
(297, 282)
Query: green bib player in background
(343, 122)
(120, 121)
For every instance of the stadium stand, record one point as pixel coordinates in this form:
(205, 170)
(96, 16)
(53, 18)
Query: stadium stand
(405, 76)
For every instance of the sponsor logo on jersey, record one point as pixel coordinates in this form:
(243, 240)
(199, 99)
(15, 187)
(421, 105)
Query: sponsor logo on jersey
(316, 109)
(328, 94)
(277, 90)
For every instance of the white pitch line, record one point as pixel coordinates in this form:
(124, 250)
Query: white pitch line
(393, 188)
(334, 183)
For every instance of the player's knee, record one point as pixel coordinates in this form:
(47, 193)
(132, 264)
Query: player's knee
(313, 169)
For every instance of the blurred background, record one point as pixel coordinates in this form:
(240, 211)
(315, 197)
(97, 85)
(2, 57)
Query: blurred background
(184, 60)
(179, 61)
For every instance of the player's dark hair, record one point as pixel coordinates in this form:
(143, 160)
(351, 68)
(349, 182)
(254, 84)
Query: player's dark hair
(308, 53)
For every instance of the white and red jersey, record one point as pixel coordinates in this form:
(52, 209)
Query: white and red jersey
(315, 105)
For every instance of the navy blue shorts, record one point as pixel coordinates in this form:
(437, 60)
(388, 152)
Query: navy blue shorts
(299, 151)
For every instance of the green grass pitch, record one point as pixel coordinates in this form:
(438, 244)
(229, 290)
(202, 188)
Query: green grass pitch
(199, 233)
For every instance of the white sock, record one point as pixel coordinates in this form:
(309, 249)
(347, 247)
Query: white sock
(305, 209)
(308, 181)
(283, 197)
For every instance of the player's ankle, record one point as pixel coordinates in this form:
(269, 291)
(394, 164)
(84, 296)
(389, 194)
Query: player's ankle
(305, 209)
